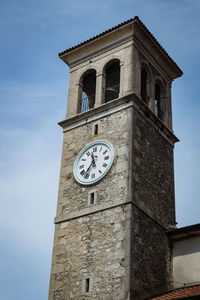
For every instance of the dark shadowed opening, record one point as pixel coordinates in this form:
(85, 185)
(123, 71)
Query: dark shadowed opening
(87, 285)
(88, 90)
(144, 85)
(112, 72)
(158, 111)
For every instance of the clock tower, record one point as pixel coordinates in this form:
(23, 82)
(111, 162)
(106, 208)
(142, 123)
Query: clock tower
(116, 190)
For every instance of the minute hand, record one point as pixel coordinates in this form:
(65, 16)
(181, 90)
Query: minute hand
(88, 169)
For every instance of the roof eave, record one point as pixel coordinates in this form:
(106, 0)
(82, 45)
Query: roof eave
(177, 71)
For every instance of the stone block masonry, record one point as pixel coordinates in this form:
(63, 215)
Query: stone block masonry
(92, 242)
(115, 248)
(116, 130)
(153, 171)
(151, 262)
(94, 247)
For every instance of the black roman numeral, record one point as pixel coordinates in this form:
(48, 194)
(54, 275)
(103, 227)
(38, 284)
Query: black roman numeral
(95, 149)
(93, 175)
(82, 172)
(106, 157)
(100, 171)
(88, 153)
(100, 149)
(105, 152)
(83, 159)
(104, 165)
(81, 167)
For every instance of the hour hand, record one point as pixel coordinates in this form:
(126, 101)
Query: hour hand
(93, 160)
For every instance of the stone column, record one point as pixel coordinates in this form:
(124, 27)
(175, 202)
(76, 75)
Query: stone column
(128, 71)
(121, 91)
(74, 99)
(152, 96)
(79, 90)
(169, 106)
(100, 89)
(136, 79)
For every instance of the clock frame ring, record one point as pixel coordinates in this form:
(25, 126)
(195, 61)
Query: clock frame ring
(93, 162)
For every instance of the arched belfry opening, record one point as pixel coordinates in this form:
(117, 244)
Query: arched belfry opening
(145, 91)
(88, 90)
(112, 80)
(160, 100)
(144, 85)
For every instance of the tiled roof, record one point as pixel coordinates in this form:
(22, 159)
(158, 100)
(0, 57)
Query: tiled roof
(116, 27)
(97, 36)
(181, 293)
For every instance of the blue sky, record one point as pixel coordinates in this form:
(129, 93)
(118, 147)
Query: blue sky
(33, 95)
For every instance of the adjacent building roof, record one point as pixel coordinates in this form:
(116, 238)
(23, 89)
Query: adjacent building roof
(191, 292)
(184, 232)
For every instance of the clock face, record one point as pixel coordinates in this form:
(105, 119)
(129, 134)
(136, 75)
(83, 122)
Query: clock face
(93, 162)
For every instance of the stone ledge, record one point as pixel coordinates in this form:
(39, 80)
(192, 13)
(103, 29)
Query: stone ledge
(102, 207)
(116, 105)
(89, 210)
(92, 55)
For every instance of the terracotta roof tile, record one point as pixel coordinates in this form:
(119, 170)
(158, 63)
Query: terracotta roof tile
(97, 36)
(181, 293)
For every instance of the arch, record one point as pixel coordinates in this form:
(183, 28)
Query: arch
(87, 86)
(85, 71)
(110, 59)
(160, 100)
(111, 71)
(146, 81)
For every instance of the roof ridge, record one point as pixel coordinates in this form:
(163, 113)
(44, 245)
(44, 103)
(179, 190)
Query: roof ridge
(136, 18)
(98, 35)
(157, 42)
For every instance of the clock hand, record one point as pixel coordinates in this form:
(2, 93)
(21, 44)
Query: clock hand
(93, 160)
(90, 166)
(88, 169)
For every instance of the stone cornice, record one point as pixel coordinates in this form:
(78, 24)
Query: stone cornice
(91, 55)
(157, 55)
(116, 105)
(88, 211)
(112, 38)
(98, 208)
(162, 68)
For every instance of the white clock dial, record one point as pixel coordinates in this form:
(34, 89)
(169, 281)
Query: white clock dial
(93, 162)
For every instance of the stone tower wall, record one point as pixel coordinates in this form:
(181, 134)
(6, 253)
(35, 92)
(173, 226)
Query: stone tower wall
(93, 241)
(151, 259)
(116, 129)
(153, 170)
(96, 246)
